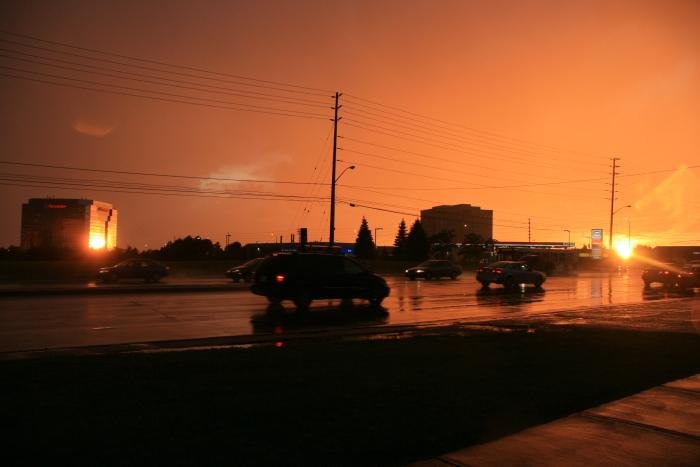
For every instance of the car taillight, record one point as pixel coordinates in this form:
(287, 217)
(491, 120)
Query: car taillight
(497, 270)
(480, 270)
(279, 278)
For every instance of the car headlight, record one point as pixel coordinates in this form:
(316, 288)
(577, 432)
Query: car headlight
(419, 270)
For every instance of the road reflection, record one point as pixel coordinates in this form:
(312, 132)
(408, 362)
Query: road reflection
(506, 297)
(279, 320)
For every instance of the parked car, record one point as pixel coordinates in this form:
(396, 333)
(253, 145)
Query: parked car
(146, 269)
(304, 277)
(244, 272)
(434, 269)
(510, 274)
(689, 277)
(665, 274)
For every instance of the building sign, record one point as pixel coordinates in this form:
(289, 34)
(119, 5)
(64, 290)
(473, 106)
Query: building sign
(56, 206)
(596, 243)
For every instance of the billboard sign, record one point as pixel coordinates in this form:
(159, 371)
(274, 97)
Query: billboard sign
(596, 243)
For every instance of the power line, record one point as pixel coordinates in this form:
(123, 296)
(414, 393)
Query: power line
(146, 192)
(169, 95)
(437, 158)
(155, 62)
(418, 164)
(471, 129)
(150, 174)
(448, 148)
(155, 98)
(480, 187)
(161, 81)
(445, 135)
(90, 183)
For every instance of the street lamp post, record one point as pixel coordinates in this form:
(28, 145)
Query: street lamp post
(568, 242)
(334, 181)
(610, 242)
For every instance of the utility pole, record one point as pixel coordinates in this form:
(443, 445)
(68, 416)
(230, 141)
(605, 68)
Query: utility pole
(331, 234)
(612, 200)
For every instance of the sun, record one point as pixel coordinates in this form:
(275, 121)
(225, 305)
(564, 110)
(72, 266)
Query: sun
(623, 248)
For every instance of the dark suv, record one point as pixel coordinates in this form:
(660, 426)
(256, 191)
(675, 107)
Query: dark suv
(303, 277)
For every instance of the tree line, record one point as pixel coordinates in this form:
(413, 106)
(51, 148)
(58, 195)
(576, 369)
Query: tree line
(409, 244)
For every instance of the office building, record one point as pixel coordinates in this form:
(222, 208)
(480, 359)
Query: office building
(75, 224)
(461, 219)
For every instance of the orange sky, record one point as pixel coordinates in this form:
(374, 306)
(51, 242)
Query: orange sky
(593, 79)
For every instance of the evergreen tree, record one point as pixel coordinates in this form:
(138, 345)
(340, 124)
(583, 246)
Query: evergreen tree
(417, 245)
(400, 241)
(364, 245)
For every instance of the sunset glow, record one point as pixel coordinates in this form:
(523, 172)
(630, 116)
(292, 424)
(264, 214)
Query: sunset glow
(623, 248)
(515, 107)
(97, 242)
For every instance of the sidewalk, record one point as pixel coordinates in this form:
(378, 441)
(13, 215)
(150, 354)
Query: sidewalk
(660, 426)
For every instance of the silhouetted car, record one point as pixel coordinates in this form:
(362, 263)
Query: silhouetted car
(244, 272)
(689, 277)
(146, 269)
(510, 274)
(434, 269)
(665, 274)
(303, 277)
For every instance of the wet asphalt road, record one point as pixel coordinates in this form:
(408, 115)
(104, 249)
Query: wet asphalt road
(34, 323)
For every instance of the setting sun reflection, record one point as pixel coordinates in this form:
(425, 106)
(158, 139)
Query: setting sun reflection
(97, 242)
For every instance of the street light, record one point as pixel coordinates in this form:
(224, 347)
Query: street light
(569, 242)
(376, 242)
(331, 235)
(611, 224)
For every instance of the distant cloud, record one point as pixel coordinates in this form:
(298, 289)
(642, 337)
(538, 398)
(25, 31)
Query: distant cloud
(97, 130)
(265, 168)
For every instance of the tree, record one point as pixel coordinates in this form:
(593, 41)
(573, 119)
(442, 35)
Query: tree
(190, 248)
(417, 245)
(473, 248)
(364, 245)
(442, 243)
(400, 241)
(234, 251)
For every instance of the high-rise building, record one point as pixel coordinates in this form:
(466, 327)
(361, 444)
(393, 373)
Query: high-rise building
(460, 219)
(77, 224)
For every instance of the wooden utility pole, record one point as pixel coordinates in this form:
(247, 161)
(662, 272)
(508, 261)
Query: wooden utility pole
(612, 200)
(331, 234)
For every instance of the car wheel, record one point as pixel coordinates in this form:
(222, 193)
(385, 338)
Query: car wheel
(152, 278)
(236, 280)
(274, 300)
(538, 283)
(428, 276)
(411, 278)
(485, 284)
(453, 276)
(302, 300)
(509, 283)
